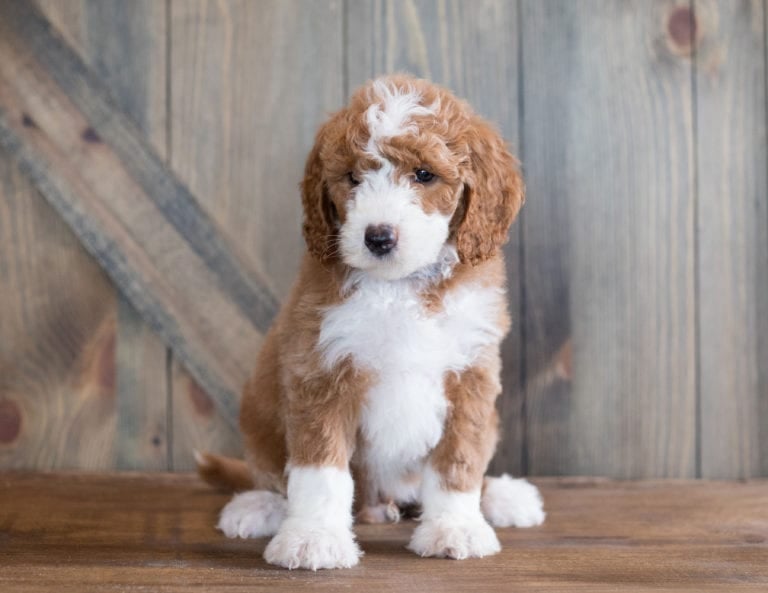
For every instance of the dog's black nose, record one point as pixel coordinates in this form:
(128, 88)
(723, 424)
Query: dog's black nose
(380, 239)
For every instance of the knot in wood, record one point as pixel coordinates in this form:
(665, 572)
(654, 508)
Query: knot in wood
(681, 29)
(10, 421)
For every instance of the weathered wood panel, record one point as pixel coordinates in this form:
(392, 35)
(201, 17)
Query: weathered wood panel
(125, 45)
(609, 238)
(67, 19)
(57, 338)
(619, 254)
(472, 49)
(732, 236)
(144, 226)
(198, 423)
(250, 83)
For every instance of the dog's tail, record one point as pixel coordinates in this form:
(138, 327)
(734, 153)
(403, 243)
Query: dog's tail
(226, 473)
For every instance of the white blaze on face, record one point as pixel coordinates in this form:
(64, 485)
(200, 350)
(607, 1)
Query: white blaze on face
(393, 115)
(382, 198)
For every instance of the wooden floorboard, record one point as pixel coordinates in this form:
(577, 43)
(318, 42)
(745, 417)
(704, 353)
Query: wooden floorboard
(129, 532)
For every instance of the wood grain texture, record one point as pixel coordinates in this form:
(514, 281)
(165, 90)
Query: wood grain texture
(609, 231)
(67, 19)
(136, 532)
(126, 48)
(125, 45)
(198, 424)
(250, 84)
(624, 267)
(472, 49)
(732, 236)
(57, 339)
(138, 220)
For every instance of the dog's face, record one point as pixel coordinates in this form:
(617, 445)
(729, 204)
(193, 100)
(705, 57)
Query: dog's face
(407, 177)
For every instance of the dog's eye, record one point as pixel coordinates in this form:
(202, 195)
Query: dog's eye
(424, 176)
(352, 180)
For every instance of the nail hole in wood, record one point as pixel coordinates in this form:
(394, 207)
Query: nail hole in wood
(90, 135)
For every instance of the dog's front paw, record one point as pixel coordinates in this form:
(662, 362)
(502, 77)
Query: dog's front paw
(257, 513)
(455, 537)
(299, 544)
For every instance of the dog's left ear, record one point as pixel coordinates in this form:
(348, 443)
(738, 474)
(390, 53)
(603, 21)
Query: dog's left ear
(318, 229)
(493, 194)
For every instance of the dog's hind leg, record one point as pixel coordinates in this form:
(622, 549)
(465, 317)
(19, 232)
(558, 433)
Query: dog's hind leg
(508, 502)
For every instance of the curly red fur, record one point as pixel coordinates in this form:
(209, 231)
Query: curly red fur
(318, 232)
(494, 195)
(296, 409)
(462, 149)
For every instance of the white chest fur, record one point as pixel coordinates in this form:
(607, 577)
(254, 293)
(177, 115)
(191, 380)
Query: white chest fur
(384, 327)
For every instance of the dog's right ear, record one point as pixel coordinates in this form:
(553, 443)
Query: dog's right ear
(494, 193)
(319, 228)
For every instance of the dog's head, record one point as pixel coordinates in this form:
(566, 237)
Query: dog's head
(404, 177)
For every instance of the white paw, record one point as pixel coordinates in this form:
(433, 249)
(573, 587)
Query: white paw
(302, 544)
(455, 537)
(257, 513)
(507, 502)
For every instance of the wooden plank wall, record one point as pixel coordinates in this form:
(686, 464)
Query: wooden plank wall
(612, 150)
(125, 45)
(730, 79)
(638, 268)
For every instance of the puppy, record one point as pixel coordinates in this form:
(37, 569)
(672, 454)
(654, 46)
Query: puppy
(377, 381)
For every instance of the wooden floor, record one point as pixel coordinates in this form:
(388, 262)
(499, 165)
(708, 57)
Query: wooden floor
(129, 532)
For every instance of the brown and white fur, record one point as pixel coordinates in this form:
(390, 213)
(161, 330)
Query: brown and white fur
(383, 364)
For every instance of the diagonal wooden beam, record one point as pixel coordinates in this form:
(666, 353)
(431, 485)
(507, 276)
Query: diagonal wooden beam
(132, 214)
